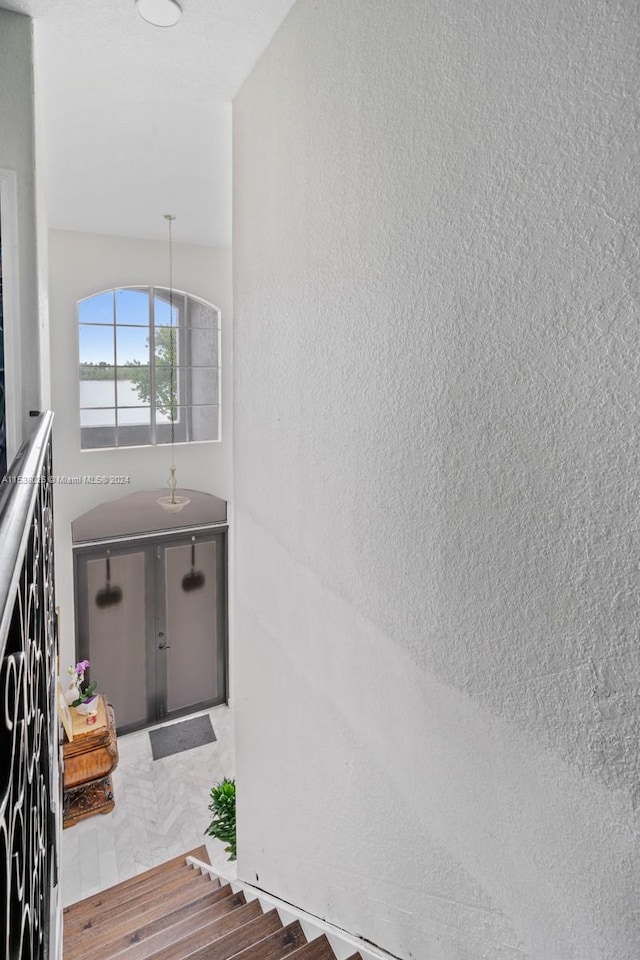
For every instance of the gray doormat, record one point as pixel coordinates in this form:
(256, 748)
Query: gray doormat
(181, 736)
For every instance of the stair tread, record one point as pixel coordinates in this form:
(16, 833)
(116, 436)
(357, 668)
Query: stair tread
(113, 895)
(140, 912)
(143, 940)
(238, 940)
(136, 932)
(215, 924)
(139, 895)
(139, 879)
(186, 946)
(108, 910)
(318, 949)
(276, 946)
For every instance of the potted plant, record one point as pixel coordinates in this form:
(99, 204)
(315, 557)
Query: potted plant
(76, 675)
(223, 807)
(86, 701)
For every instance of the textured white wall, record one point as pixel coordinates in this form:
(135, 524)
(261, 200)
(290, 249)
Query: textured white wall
(17, 153)
(436, 474)
(81, 264)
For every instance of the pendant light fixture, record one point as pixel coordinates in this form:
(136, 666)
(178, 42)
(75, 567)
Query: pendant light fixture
(108, 596)
(194, 580)
(173, 503)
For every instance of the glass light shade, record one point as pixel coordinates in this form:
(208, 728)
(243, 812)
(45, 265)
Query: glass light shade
(173, 504)
(161, 13)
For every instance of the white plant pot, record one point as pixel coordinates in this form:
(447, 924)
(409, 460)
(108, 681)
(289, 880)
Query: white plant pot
(72, 693)
(89, 706)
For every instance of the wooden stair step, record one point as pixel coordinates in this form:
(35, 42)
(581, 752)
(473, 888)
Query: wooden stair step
(240, 939)
(276, 946)
(132, 944)
(157, 887)
(218, 920)
(114, 941)
(77, 948)
(190, 943)
(177, 863)
(164, 888)
(318, 949)
(107, 911)
(125, 917)
(112, 897)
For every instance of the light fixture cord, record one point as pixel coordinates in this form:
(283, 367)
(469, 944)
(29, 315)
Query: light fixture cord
(172, 390)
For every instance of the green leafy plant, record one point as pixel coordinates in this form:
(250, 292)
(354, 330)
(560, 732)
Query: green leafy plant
(223, 808)
(87, 694)
(166, 374)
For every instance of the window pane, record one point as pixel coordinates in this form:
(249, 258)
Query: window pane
(134, 435)
(163, 314)
(133, 387)
(179, 427)
(163, 431)
(97, 418)
(201, 315)
(132, 307)
(203, 348)
(96, 347)
(98, 309)
(97, 387)
(132, 343)
(96, 438)
(162, 416)
(167, 346)
(164, 405)
(204, 385)
(169, 383)
(193, 423)
(191, 386)
(134, 415)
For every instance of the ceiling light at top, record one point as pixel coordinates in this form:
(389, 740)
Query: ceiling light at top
(161, 13)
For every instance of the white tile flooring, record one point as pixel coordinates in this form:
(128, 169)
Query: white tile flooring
(160, 812)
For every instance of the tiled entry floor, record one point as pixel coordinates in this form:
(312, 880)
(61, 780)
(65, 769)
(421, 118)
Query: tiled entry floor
(160, 812)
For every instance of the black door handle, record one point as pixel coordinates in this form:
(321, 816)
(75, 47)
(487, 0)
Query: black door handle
(164, 646)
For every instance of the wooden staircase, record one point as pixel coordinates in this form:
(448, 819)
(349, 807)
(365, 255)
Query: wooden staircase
(174, 912)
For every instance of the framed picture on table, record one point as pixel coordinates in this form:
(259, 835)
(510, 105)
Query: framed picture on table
(63, 712)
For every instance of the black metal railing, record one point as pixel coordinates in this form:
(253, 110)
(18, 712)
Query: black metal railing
(28, 741)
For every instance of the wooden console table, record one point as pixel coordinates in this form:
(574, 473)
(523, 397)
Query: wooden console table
(89, 760)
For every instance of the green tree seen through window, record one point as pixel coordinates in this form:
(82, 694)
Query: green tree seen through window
(166, 398)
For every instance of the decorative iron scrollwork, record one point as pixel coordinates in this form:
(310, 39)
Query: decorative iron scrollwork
(28, 644)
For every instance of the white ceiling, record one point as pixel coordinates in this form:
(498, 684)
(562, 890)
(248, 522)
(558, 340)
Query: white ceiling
(136, 118)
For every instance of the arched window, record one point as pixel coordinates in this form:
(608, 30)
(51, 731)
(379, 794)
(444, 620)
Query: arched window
(149, 362)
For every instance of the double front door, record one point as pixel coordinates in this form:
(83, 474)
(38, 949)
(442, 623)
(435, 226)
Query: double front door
(151, 617)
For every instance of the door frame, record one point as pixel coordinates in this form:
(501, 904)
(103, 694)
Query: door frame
(149, 544)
